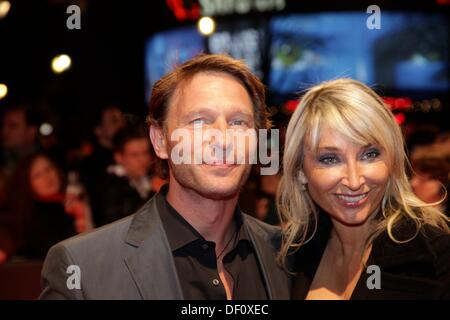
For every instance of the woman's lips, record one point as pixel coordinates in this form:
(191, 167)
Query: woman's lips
(352, 201)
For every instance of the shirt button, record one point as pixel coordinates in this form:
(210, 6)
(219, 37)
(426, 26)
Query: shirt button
(215, 282)
(205, 246)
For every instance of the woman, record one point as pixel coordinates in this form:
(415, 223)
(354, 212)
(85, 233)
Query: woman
(41, 212)
(347, 208)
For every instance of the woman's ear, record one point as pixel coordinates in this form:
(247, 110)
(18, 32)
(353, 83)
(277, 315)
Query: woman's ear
(302, 178)
(158, 140)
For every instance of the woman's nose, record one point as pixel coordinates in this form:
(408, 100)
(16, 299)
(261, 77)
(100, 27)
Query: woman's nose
(354, 179)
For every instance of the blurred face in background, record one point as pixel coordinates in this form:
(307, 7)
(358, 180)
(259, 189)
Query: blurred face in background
(16, 134)
(135, 158)
(426, 188)
(112, 121)
(44, 177)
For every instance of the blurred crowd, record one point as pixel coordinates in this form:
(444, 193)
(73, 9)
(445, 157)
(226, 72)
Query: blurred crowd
(48, 195)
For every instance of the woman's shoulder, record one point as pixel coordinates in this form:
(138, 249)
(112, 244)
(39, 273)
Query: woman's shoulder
(437, 242)
(426, 248)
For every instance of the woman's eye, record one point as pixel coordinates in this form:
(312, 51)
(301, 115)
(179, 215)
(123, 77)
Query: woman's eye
(328, 159)
(370, 154)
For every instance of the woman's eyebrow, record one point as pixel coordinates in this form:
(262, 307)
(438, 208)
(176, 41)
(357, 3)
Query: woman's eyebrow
(328, 148)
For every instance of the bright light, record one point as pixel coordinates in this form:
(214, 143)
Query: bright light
(206, 26)
(4, 8)
(46, 129)
(61, 63)
(3, 90)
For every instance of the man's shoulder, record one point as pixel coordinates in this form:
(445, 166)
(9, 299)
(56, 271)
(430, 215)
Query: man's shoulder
(97, 239)
(263, 229)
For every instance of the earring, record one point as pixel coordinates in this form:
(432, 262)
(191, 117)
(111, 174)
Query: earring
(303, 181)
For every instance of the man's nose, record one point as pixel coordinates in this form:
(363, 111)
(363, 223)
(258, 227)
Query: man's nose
(222, 140)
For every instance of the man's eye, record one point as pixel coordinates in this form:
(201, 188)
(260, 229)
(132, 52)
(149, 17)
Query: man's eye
(238, 123)
(198, 122)
(328, 159)
(370, 154)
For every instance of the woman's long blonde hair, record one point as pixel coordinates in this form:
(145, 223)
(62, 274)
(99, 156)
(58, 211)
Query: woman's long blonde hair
(355, 111)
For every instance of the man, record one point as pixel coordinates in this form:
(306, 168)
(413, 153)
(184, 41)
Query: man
(109, 120)
(19, 131)
(19, 136)
(128, 184)
(190, 241)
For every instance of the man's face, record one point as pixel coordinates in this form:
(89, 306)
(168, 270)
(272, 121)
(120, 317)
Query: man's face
(16, 134)
(210, 101)
(135, 158)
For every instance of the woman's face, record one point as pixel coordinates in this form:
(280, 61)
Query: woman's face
(44, 178)
(346, 180)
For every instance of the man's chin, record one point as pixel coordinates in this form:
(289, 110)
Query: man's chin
(218, 192)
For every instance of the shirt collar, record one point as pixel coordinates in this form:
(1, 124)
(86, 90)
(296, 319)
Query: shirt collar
(179, 232)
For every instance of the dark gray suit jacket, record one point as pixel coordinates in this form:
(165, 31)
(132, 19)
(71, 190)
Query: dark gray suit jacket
(132, 259)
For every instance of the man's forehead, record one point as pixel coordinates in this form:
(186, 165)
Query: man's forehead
(185, 87)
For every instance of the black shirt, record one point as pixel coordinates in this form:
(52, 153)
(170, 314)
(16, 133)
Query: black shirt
(195, 259)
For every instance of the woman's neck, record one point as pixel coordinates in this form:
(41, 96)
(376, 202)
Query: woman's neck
(350, 241)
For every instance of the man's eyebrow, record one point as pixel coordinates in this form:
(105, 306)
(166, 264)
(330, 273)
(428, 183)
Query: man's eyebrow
(198, 112)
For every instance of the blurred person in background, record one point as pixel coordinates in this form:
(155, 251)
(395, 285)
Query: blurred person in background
(128, 184)
(93, 169)
(430, 179)
(19, 136)
(39, 211)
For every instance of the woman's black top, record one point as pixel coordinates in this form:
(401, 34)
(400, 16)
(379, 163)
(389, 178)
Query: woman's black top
(418, 269)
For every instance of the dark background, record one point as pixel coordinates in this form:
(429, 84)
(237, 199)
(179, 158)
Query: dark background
(108, 53)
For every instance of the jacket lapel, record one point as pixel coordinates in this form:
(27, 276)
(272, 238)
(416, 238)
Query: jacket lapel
(151, 262)
(276, 280)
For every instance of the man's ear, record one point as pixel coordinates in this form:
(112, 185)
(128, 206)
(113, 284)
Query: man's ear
(302, 178)
(158, 140)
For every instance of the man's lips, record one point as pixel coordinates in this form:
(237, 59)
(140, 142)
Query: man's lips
(219, 164)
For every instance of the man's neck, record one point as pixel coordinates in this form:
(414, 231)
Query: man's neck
(211, 218)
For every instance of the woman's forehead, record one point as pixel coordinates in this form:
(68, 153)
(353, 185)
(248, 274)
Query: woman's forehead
(332, 138)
